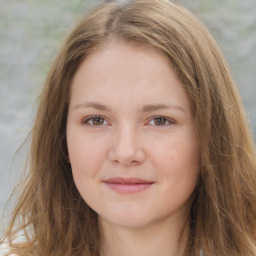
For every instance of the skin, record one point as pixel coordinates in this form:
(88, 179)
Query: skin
(144, 128)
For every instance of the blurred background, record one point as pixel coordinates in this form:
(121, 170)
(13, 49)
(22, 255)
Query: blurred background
(31, 32)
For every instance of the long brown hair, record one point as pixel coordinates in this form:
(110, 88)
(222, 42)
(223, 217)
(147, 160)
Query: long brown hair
(50, 212)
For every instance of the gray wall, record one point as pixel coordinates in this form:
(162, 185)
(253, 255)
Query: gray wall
(31, 33)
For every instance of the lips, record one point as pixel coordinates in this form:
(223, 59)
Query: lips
(128, 185)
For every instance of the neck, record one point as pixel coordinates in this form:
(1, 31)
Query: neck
(160, 239)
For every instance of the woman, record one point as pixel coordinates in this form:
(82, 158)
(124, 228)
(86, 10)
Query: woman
(140, 145)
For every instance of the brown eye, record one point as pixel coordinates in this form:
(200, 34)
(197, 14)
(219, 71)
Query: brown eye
(95, 121)
(160, 121)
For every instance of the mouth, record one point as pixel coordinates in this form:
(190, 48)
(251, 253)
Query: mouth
(128, 185)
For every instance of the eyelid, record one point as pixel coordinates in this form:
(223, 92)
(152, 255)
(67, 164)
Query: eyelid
(86, 120)
(170, 121)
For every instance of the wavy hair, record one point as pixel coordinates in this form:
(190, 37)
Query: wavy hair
(50, 212)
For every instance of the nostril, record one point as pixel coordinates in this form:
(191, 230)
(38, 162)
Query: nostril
(133, 162)
(127, 159)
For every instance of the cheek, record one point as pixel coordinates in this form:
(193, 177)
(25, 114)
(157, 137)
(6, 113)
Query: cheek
(177, 149)
(86, 154)
(178, 160)
(86, 158)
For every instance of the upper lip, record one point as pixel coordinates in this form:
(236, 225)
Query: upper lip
(120, 180)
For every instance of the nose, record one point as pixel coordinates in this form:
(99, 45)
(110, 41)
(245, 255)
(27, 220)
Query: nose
(126, 148)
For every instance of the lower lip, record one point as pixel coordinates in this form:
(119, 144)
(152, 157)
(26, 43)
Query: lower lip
(128, 188)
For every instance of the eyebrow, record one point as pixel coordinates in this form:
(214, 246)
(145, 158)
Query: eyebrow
(95, 105)
(151, 108)
(144, 109)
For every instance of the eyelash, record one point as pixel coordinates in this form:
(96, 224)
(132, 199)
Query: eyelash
(91, 118)
(169, 120)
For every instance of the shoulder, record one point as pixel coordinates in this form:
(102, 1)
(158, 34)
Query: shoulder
(202, 253)
(5, 246)
(4, 249)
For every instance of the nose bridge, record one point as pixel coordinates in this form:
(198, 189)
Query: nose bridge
(126, 145)
(126, 139)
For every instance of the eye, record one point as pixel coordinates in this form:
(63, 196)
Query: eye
(95, 121)
(161, 121)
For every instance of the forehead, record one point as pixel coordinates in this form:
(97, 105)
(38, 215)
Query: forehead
(127, 71)
(128, 57)
(116, 48)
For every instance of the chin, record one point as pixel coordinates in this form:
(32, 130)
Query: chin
(127, 220)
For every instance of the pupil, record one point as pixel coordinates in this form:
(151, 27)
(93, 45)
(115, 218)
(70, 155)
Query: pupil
(98, 121)
(160, 121)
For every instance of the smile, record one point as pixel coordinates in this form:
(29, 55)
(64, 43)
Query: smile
(127, 185)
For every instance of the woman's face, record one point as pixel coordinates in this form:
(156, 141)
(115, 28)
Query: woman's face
(131, 137)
